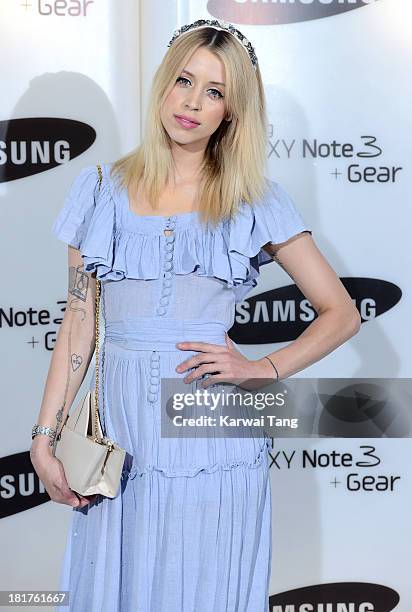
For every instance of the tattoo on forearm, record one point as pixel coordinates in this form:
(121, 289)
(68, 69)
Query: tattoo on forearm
(74, 308)
(60, 412)
(78, 282)
(78, 287)
(76, 361)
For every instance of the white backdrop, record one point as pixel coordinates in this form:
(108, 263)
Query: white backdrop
(338, 78)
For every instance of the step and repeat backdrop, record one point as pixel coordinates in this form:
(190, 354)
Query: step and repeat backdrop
(337, 80)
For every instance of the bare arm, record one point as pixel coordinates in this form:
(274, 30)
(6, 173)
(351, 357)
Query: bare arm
(73, 350)
(338, 318)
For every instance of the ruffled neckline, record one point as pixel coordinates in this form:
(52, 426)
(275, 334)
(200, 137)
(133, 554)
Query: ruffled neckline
(116, 243)
(136, 222)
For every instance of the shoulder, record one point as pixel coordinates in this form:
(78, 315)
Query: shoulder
(273, 218)
(87, 199)
(276, 197)
(85, 180)
(89, 178)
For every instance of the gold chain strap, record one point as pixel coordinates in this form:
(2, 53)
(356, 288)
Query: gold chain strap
(97, 316)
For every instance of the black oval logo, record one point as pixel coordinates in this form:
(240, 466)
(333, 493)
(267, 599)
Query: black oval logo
(252, 12)
(281, 315)
(37, 144)
(20, 487)
(335, 596)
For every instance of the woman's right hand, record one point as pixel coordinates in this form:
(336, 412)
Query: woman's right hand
(51, 472)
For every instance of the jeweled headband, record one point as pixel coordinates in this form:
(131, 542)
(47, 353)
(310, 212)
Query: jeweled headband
(220, 25)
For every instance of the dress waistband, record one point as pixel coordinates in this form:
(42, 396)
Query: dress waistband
(162, 334)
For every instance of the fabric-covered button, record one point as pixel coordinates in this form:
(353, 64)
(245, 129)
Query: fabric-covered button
(152, 397)
(161, 310)
(164, 300)
(166, 291)
(168, 275)
(167, 283)
(168, 248)
(167, 265)
(168, 256)
(154, 380)
(153, 388)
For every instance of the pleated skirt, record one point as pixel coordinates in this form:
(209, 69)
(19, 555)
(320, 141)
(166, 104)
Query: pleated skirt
(190, 527)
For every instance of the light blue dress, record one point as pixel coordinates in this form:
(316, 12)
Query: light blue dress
(190, 527)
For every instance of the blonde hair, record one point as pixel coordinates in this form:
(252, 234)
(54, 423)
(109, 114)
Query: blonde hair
(234, 161)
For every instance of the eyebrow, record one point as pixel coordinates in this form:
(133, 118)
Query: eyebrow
(213, 82)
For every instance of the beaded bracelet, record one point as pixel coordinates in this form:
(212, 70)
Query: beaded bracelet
(42, 429)
(276, 370)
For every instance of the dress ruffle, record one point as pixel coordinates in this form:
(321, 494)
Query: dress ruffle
(231, 252)
(208, 469)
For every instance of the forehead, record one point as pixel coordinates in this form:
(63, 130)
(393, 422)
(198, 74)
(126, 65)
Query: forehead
(203, 63)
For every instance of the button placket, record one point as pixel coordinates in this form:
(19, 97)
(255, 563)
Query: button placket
(167, 266)
(154, 377)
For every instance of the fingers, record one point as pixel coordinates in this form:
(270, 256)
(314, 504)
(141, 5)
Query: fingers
(79, 501)
(200, 346)
(195, 362)
(211, 357)
(84, 500)
(71, 498)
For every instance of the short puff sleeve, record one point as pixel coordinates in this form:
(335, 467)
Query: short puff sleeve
(275, 218)
(73, 220)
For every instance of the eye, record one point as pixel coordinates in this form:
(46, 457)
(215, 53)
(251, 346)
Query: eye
(217, 97)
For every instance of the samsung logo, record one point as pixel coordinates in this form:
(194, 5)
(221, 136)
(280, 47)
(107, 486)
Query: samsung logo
(32, 145)
(20, 487)
(336, 597)
(306, 2)
(270, 12)
(282, 314)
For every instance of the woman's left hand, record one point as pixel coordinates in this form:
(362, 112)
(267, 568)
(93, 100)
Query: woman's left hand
(226, 364)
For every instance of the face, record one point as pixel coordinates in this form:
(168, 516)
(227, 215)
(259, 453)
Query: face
(199, 94)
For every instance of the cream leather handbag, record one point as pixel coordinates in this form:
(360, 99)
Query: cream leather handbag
(92, 463)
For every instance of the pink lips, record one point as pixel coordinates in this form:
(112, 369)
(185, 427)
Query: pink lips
(185, 123)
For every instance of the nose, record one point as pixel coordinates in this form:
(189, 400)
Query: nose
(193, 99)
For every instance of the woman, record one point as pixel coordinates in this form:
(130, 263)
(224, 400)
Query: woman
(177, 232)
